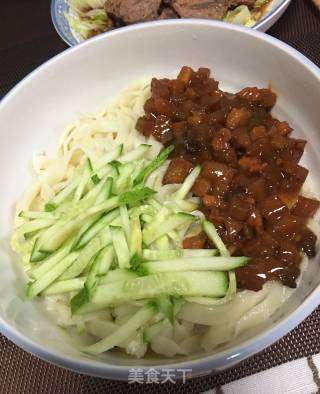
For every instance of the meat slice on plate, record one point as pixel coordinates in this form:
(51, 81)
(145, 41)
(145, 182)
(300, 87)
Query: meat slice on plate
(112, 7)
(201, 8)
(236, 3)
(168, 13)
(132, 11)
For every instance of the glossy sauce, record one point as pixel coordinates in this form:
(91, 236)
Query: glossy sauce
(251, 178)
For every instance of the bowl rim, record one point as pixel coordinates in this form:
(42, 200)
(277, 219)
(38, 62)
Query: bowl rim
(205, 363)
(283, 4)
(54, 20)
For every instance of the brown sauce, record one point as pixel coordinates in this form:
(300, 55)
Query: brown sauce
(251, 178)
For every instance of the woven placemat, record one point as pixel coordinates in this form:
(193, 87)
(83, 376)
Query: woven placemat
(27, 39)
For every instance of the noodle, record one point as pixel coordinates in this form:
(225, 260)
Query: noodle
(197, 327)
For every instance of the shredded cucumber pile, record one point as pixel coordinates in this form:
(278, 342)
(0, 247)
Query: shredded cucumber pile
(108, 240)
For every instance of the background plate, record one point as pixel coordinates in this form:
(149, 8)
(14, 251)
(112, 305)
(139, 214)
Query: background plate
(60, 7)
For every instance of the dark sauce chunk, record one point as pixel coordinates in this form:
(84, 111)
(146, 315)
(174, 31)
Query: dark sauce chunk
(251, 178)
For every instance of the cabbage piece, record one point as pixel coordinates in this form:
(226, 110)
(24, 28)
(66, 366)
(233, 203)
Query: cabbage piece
(250, 23)
(241, 15)
(86, 5)
(260, 3)
(87, 17)
(88, 27)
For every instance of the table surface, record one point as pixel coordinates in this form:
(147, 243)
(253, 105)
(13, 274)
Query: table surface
(27, 40)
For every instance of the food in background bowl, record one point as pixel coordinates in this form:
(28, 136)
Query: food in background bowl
(91, 17)
(160, 219)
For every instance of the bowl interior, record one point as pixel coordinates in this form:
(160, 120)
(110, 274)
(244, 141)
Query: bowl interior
(82, 79)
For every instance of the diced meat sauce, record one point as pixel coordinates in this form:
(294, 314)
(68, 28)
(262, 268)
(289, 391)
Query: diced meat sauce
(177, 171)
(251, 177)
(195, 242)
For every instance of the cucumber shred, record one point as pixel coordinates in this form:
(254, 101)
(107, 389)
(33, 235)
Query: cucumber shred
(165, 306)
(64, 286)
(153, 330)
(95, 228)
(163, 243)
(189, 283)
(135, 154)
(36, 255)
(200, 264)
(56, 235)
(49, 263)
(213, 235)
(199, 252)
(49, 277)
(106, 191)
(155, 230)
(125, 221)
(105, 257)
(118, 275)
(94, 194)
(232, 289)
(83, 181)
(124, 179)
(86, 254)
(188, 183)
(34, 225)
(53, 204)
(167, 254)
(112, 249)
(157, 162)
(154, 255)
(37, 215)
(135, 236)
(136, 195)
(120, 246)
(108, 157)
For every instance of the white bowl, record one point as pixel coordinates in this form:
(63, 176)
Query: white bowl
(81, 79)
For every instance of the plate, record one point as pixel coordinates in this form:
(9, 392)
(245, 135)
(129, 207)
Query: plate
(59, 8)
